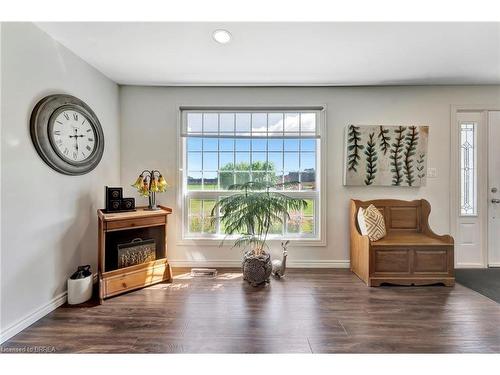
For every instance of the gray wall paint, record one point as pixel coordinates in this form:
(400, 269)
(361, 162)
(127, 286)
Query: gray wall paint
(149, 139)
(49, 221)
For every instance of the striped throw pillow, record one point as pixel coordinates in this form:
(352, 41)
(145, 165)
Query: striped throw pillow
(374, 221)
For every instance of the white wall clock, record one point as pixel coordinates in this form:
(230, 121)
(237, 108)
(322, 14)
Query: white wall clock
(67, 134)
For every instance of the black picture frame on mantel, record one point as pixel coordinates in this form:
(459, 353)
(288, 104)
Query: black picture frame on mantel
(113, 198)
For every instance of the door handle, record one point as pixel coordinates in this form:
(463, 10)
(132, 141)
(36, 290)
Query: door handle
(495, 201)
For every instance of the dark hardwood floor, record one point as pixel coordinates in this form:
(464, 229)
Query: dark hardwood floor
(319, 311)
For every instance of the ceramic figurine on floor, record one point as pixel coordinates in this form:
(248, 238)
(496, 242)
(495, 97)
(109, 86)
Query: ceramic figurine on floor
(279, 266)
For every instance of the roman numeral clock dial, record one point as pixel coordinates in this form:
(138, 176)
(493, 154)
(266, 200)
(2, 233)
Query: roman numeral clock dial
(67, 134)
(73, 136)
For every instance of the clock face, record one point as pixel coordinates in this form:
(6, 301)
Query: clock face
(72, 135)
(67, 134)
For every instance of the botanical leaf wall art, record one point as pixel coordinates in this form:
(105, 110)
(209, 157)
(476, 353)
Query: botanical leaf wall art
(386, 155)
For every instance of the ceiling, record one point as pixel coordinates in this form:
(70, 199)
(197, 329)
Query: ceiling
(169, 53)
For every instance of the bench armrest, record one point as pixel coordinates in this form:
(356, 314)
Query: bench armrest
(426, 229)
(359, 245)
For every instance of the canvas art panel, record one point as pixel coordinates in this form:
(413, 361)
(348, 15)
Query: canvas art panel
(385, 155)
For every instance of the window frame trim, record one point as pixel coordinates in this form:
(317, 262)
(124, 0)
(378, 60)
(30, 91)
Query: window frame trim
(184, 239)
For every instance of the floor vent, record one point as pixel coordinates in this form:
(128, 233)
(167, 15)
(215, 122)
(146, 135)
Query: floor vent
(203, 272)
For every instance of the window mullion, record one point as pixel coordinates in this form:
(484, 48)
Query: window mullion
(202, 151)
(251, 148)
(300, 153)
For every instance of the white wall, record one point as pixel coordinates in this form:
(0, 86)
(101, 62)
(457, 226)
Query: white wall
(49, 222)
(149, 140)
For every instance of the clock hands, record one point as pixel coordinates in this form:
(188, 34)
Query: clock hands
(76, 136)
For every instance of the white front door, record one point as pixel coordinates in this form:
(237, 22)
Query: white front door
(494, 189)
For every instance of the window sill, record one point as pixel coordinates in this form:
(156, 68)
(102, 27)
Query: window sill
(228, 243)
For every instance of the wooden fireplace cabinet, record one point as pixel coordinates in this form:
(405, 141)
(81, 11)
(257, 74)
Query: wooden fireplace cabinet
(123, 227)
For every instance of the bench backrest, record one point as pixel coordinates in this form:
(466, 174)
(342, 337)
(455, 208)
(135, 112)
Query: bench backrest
(399, 215)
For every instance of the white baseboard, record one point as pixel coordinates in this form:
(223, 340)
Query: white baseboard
(318, 264)
(32, 317)
(237, 263)
(469, 265)
(494, 265)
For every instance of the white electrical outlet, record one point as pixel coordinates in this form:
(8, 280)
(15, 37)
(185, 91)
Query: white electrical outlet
(432, 173)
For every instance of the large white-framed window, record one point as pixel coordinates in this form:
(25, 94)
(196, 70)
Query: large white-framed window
(224, 146)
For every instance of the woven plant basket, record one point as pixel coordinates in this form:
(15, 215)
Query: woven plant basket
(256, 269)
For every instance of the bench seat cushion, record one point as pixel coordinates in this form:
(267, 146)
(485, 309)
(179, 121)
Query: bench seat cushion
(409, 238)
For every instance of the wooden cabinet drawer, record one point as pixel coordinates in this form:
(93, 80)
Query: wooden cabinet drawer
(135, 277)
(134, 223)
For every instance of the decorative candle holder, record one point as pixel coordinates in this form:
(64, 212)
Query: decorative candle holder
(148, 184)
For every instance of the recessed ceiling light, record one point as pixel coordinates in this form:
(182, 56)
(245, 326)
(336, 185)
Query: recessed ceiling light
(222, 36)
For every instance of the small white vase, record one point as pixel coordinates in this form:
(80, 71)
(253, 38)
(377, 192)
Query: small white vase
(79, 290)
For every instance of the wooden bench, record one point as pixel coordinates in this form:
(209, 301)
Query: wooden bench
(410, 254)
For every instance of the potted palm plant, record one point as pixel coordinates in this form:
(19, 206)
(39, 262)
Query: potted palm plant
(250, 213)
